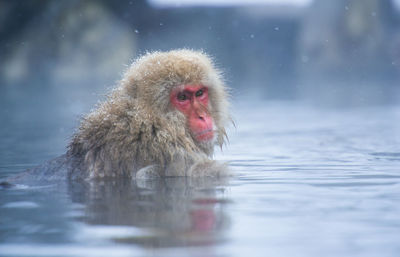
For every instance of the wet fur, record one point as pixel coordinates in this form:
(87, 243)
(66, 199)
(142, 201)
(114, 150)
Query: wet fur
(137, 133)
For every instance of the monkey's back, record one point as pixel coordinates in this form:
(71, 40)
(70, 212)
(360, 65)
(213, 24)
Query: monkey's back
(56, 170)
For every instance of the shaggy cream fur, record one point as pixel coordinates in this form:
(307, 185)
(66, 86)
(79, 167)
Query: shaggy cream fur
(136, 132)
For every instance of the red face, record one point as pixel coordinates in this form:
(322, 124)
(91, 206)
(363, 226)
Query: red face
(192, 100)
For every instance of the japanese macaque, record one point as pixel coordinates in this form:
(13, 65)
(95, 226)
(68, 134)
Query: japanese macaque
(163, 119)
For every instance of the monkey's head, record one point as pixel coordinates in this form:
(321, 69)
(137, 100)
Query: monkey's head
(185, 87)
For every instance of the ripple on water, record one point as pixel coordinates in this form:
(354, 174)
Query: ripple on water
(21, 205)
(388, 156)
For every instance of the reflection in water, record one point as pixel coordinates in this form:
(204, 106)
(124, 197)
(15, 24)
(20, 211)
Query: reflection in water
(172, 211)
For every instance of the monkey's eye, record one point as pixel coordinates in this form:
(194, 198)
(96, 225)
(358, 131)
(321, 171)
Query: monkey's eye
(199, 92)
(182, 97)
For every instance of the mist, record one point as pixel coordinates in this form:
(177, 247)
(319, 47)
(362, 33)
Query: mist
(59, 58)
(337, 53)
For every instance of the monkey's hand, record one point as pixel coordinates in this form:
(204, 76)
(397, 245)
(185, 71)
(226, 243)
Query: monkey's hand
(148, 172)
(209, 168)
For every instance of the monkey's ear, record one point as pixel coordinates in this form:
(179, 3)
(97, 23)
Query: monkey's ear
(222, 137)
(130, 88)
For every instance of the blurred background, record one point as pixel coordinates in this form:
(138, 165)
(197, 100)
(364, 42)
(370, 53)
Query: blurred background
(58, 58)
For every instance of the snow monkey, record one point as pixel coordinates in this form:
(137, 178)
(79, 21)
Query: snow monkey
(163, 119)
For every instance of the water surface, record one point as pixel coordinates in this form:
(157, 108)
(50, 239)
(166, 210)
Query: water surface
(308, 182)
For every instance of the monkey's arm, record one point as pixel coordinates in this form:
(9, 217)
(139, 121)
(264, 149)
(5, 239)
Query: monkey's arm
(186, 166)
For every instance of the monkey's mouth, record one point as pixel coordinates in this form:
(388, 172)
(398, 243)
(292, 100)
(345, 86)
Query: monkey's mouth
(205, 135)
